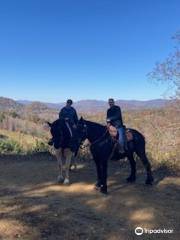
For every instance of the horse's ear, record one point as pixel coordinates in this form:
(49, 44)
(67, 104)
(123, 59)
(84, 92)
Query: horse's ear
(49, 124)
(81, 119)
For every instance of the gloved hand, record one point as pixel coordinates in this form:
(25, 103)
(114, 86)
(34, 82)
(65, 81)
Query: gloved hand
(108, 120)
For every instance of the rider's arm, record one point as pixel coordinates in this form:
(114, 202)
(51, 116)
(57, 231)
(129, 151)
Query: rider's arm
(61, 113)
(75, 117)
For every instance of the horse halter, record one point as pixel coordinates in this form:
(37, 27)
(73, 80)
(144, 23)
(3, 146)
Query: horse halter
(85, 129)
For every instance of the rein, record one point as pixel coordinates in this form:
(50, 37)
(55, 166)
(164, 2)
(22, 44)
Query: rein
(97, 140)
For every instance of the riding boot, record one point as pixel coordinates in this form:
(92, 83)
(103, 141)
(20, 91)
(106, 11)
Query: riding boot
(121, 140)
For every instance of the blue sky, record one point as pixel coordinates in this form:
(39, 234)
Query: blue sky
(51, 50)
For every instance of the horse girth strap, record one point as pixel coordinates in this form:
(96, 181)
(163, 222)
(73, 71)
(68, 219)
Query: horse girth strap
(113, 150)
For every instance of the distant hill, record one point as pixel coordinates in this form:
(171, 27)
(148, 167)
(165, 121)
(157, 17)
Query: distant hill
(86, 106)
(7, 104)
(94, 106)
(36, 107)
(134, 104)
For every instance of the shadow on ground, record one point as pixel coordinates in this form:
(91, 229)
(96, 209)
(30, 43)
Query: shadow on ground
(33, 206)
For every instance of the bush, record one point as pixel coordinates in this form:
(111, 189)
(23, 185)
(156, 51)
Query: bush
(2, 117)
(10, 146)
(14, 114)
(39, 147)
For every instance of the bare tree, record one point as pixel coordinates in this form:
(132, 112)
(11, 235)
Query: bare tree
(169, 69)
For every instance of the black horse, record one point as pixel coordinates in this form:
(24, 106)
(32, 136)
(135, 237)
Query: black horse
(103, 145)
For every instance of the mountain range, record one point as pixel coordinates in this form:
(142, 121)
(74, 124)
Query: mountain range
(87, 106)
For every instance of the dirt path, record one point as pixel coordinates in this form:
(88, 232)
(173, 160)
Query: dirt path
(34, 207)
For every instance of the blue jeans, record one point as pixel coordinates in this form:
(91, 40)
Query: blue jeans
(122, 139)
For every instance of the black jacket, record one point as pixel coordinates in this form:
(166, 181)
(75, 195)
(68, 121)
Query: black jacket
(115, 116)
(70, 113)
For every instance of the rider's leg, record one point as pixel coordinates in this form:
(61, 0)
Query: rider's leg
(121, 137)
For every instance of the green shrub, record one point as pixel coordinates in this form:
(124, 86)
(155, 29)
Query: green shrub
(39, 147)
(14, 114)
(10, 146)
(2, 117)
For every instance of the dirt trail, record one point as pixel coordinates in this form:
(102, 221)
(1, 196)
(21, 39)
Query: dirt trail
(34, 207)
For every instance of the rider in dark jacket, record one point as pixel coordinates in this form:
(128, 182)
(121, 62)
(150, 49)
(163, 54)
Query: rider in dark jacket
(114, 116)
(68, 113)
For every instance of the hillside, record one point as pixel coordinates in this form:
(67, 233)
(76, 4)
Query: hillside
(160, 126)
(10, 104)
(83, 106)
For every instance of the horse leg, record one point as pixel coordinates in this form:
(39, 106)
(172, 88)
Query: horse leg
(75, 157)
(132, 176)
(140, 151)
(58, 154)
(68, 156)
(98, 170)
(73, 165)
(104, 164)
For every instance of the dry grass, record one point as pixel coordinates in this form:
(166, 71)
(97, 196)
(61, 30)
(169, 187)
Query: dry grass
(34, 207)
(25, 140)
(161, 128)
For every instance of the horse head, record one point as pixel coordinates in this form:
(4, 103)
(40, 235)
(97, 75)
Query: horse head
(56, 133)
(82, 129)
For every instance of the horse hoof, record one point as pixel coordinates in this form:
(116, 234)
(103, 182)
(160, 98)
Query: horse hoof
(97, 186)
(131, 179)
(73, 168)
(66, 181)
(60, 179)
(103, 190)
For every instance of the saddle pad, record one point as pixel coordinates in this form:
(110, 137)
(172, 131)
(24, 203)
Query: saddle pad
(112, 131)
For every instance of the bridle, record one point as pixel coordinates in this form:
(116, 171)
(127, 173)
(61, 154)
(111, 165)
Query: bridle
(86, 134)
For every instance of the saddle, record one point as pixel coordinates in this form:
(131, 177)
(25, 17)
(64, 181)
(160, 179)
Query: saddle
(129, 135)
(114, 133)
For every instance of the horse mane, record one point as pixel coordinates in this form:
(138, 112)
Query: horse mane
(91, 123)
(55, 122)
(97, 128)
